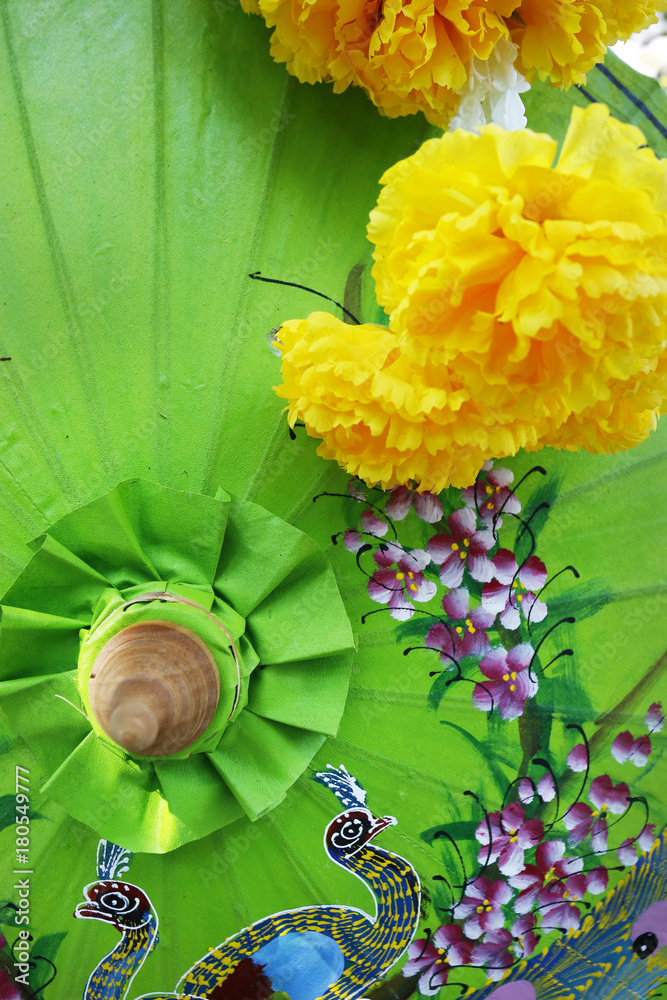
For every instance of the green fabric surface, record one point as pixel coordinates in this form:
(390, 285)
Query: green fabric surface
(300, 693)
(154, 157)
(258, 756)
(35, 644)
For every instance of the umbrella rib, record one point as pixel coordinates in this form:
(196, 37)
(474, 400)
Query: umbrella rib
(235, 341)
(160, 306)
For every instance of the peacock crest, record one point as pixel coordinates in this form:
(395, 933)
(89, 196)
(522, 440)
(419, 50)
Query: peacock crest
(112, 860)
(346, 788)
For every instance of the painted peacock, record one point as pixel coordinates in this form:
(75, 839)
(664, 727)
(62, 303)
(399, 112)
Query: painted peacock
(311, 953)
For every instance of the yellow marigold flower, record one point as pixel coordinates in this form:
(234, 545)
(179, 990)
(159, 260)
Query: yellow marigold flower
(408, 57)
(527, 302)
(421, 55)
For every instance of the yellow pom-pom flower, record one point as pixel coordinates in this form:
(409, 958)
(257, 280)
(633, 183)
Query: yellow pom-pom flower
(527, 301)
(427, 54)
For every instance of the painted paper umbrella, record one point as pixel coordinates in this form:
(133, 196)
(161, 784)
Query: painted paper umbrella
(271, 727)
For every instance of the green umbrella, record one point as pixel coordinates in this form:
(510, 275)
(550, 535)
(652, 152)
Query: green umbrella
(156, 159)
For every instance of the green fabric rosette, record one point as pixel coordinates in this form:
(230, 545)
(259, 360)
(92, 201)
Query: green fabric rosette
(252, 582)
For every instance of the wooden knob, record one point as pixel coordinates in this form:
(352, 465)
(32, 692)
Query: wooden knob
(154, 688)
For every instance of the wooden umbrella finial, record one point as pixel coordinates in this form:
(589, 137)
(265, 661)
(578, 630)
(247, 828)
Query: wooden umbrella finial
(154, 688)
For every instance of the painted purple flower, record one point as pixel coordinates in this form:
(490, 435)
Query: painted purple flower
(525, 938)
(492, 496)
(356, 489)
(526, 791)
(493, 953)
(481, 906)
(8, 991)
(466, 636)
(627, 852)
(464, 547)
(550, 865)
(558, 904)
(558, 901)
(654, 718)
(434, 958)
(427, 506)
(577, 759)
(399, 581)
(374, 525)
(511, 834)
(353, 540)
(626, 748)
(597, 880)
(581, 820)
(513, 589)
(509, 685)
(546, 787)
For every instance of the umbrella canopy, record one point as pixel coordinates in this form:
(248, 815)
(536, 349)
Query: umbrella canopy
(156, 161)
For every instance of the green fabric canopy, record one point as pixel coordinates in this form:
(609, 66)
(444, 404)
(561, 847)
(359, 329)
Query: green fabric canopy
(154, 158)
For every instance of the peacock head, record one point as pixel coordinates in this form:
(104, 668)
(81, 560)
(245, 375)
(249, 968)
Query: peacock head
(351, 830)
(113, 900)
(116, 902)
(348, 832)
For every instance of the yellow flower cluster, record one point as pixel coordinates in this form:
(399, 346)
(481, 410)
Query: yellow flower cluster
(418, 55)
(527, 303)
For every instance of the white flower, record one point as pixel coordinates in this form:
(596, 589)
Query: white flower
(492, 92)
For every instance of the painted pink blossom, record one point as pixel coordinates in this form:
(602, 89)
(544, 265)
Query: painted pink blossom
(506, 836)
(546, 787)
(466, 635)
(400, 580)
(577, 759)
(435, 958)
(481, 906)
(627, 852)
(356, 489)
(550, 865)
(513, 589)
(8, 991)
(492, 496)
(559, 899)
(525, 938)
(464, 547)
(353, 540)
(509, 683)
(526, 791)
(426, 505)
(493, 953)
(581, 820)
(374, 525)
(371, 524)
(654, 718)
(626, 748)
(558, 907)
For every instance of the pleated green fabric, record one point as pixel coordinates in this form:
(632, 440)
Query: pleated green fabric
(76, 593)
